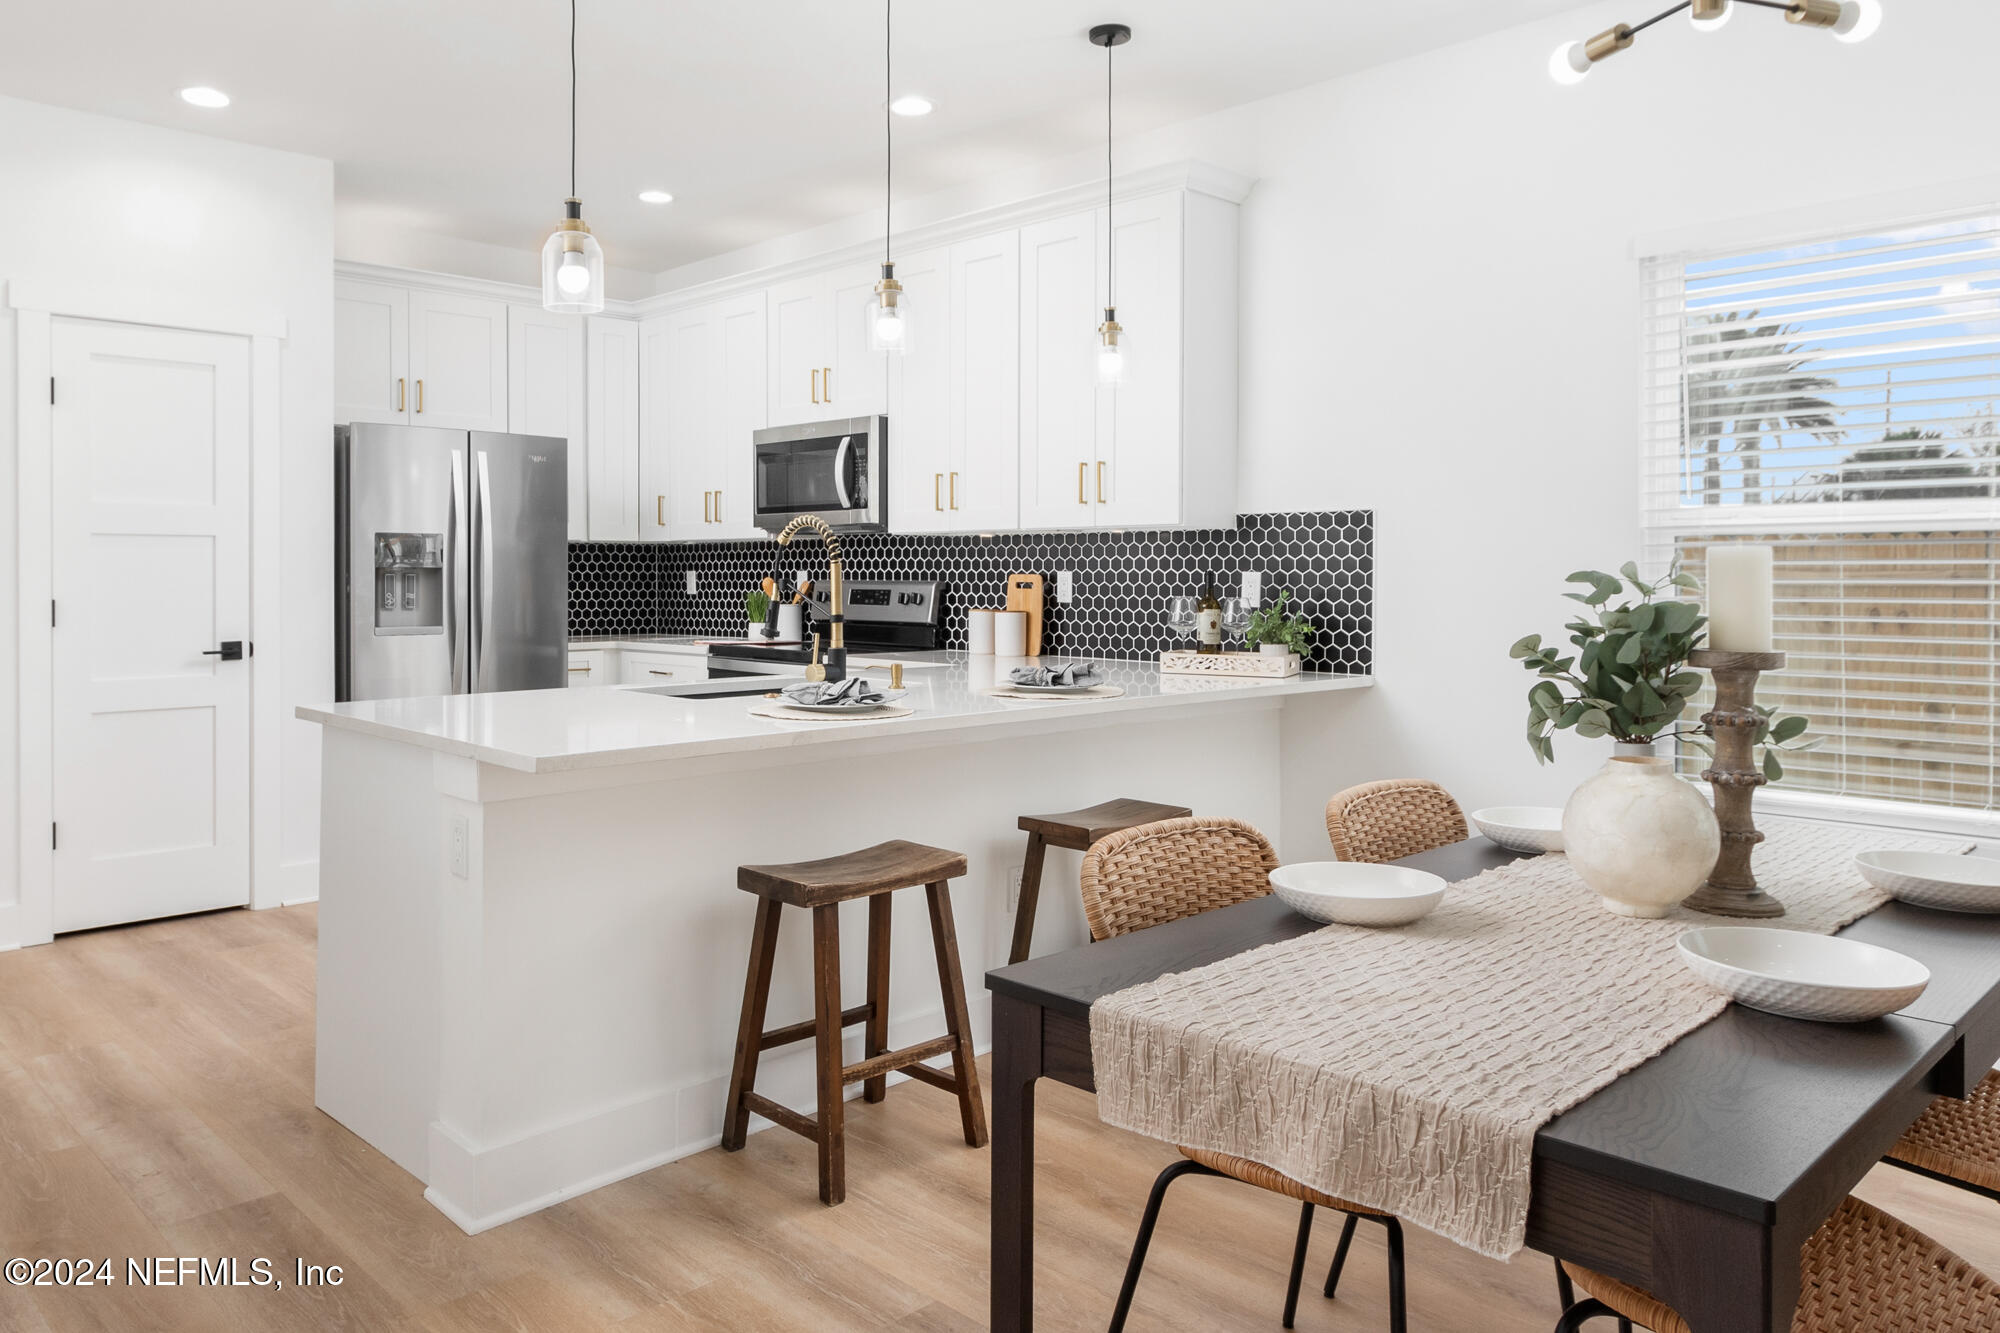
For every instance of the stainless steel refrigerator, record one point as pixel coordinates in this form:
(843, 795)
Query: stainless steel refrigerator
(451, 562)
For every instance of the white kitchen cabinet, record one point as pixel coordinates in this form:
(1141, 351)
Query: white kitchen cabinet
(371, 353)
(660, 668)
(820, 364)
(595, 666)
(545, 395)
(1159, 450)
(955, 404)
(458, 361)
(703, 394)
(611, 428)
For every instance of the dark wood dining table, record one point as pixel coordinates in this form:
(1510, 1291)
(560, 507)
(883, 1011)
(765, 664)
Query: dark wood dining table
(1696, 1176)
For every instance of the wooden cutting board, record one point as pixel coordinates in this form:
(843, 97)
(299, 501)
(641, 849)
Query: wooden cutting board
(1024, 593)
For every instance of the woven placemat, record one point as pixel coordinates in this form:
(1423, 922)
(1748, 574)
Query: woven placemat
(784, 712)
(1036, 696)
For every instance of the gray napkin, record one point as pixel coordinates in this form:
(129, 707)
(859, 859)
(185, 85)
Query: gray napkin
(1076, 673)
(851, 693)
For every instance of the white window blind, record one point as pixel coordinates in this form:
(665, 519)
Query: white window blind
(1836, 398)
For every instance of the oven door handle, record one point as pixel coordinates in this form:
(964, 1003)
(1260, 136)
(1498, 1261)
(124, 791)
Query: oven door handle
(840, 456)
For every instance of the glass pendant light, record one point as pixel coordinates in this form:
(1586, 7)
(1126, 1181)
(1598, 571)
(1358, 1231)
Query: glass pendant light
(888, 317)
(572, 260)
(1110, 334)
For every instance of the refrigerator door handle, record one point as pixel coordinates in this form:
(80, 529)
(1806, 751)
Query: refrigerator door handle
(457, 609)
(482, 596)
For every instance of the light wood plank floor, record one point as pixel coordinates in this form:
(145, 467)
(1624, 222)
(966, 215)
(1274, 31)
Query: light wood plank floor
(156, 1099)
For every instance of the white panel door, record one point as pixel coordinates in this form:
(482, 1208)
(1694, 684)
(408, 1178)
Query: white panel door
(545, 394)
(855, 381)
(1139, 426)
(690, 421)
(1059, 316)
(982, 486)
(458, 362)
(611, 427)
(655, 359)
(151, 555)
(799, 346)
(740, 412)
(371, 353)
(921, 396)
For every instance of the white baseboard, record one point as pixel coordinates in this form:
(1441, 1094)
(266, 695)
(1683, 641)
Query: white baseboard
(298, 882)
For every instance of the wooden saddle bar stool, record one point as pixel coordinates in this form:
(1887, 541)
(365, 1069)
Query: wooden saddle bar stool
(823, 885)
(1389, 820)
(1075, 830)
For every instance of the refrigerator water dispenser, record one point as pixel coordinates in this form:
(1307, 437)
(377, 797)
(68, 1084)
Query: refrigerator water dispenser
(409, 583)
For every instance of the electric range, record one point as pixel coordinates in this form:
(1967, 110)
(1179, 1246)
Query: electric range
(883, 617)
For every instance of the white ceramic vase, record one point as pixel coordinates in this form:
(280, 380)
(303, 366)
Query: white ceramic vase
(1640, 836)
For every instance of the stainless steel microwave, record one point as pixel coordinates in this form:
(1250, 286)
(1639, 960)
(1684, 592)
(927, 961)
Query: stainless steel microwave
(834, 470)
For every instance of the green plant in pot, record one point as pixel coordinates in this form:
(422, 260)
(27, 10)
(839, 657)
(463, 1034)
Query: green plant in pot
(756, 605)
(1272, 631)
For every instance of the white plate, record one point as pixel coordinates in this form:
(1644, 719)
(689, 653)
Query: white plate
(1052, 689)
(1522, 828)
(888, 697)
(1357, 893)
(1799, 975)
(1942, 880)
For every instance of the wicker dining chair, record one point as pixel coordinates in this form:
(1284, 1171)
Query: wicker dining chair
(1156, 873)
(1863, 1270)
(1957, 1142)
(1389, 820)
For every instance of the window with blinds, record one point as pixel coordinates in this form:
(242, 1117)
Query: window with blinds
(1835, 398)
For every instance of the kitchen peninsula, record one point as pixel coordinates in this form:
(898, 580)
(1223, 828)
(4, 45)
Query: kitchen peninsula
(530, 940)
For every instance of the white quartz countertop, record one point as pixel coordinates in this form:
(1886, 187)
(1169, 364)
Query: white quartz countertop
(559, 730)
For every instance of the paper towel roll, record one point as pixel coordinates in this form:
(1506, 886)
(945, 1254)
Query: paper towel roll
(979, 632)
(1010, 633)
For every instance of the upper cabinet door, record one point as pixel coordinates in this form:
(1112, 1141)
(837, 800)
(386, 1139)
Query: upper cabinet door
(655, 394)
(371, 353)
(1058, 421)
(690, 427)
(855, 380)
(741, 410)
(611, 427)
(920, 398)
(458, 362)
(545, 394)
(799, 346)
(982, 485)
(1136, 477)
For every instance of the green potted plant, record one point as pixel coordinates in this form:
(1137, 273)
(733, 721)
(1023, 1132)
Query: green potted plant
(1276, 634)
(756, 605)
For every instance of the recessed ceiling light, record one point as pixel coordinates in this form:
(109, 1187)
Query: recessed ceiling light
(213, 99)
(913, 104)
(655, 197)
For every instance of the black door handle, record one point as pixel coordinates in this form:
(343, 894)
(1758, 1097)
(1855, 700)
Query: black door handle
(230, 651)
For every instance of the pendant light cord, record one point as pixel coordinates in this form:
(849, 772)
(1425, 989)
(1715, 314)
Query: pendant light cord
(1110, 247)
(572, 99)
(888, 125)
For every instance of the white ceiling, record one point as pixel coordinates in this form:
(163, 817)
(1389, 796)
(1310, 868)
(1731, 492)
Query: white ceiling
(763, 117)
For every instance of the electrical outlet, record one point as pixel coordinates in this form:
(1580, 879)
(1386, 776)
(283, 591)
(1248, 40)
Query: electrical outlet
(461, 836)
(1013, 888)
(693, 584)
(1253, 587)
(1065, 586)
(800, 580)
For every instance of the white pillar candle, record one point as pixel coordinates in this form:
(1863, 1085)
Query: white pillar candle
(1739, 599)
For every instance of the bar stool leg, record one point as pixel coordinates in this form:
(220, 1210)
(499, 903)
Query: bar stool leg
(750, 1028)
(971, 1111)
(875, 1089)
(1031, 891)
(826, 1042)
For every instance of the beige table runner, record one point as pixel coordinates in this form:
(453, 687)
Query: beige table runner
(1409, 1069)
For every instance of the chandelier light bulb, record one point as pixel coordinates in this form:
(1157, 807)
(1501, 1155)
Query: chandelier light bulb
(573, 274)
(1714, 24)
(1858, 20)
(1569, 64)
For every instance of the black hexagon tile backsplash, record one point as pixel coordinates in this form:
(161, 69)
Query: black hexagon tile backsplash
(1123, 580)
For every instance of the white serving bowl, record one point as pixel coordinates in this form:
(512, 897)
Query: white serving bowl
(1799, 975)
(1357, 893)
(1942, 880)
(1522, 828)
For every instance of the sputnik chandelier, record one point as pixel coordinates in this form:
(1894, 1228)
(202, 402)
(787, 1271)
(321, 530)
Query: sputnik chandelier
(1848, 20)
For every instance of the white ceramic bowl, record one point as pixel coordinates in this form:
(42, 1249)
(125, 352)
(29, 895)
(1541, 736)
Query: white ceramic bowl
(1799, 975)
(1943, 880)
(1357, 893)
(1522, 828)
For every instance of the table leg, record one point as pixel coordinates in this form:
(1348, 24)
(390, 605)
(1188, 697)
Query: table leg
(1723, 1273)
(1017, 1063)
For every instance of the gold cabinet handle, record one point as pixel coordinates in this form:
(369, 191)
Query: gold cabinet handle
(652, 672)
(1100, 481)
(707, 499)
(815, 384)
(954, 490)
(584, 669)
(1080, 467)
(659, 511)
(826, 379)
(399, 392)
(420, 395)
(718, 506)
(937, 480)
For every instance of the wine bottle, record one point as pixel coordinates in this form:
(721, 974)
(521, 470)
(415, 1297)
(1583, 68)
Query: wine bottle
(1208, 620)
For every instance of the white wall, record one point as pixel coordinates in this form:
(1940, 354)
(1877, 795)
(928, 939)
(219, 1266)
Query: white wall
(115, 219)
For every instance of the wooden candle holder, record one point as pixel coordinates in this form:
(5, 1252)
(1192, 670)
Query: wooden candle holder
(1732, 889)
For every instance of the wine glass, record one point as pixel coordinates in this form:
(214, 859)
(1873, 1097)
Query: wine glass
(1180, 616)
(1235, 615)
